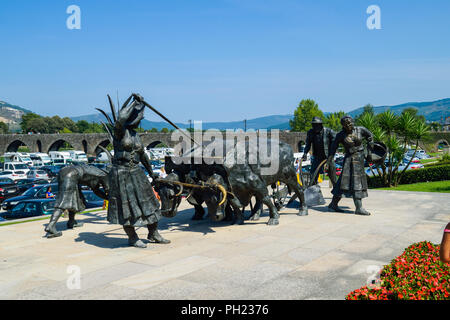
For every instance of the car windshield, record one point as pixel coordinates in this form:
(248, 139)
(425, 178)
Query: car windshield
(6, 180)
(31, 191)
(21, 166)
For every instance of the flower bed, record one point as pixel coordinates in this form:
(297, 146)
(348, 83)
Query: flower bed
(417, 274)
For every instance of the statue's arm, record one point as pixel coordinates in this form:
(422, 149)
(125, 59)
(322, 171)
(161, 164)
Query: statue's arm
(145, 160)
(307, 145)
(334, 146)
(99, 192)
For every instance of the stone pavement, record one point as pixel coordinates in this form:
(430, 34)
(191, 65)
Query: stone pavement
(321, 256)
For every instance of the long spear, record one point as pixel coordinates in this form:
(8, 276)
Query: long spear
(170, 122)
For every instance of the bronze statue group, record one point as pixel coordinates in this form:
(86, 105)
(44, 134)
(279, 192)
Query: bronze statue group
(132, 201)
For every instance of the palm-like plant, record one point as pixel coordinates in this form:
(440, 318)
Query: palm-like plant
(417, 133)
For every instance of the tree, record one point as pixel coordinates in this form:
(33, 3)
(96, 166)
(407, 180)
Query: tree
(333, 120)
(26, 118)
(153, 130)
(165, 130)
(307, 109)
(37, 125)
(396, 132)
(4, 128)
(82, 126)
(367, 109)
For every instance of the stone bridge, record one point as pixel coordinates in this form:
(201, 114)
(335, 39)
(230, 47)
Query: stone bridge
(89, 143)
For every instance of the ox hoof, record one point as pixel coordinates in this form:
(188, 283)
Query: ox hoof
(273, 222)
(254, 217)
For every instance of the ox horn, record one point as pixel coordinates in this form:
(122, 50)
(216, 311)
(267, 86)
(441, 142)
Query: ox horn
(180, 192)
(224, 193)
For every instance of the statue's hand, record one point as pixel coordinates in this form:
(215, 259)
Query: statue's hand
(305, 157)
(137, 97)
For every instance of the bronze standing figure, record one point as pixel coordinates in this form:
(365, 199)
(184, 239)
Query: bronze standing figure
(71, 198)
(352, 182)
(132, 202)
(320, 138)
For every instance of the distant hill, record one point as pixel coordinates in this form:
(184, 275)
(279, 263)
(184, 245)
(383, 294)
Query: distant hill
(257, 123)
(12, 115)
(433, 111)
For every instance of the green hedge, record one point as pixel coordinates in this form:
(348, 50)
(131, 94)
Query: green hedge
(427, 174)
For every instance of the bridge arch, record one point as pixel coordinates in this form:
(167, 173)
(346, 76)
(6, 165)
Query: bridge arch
(38, 145)
(104, 144)
(156, 143)
(301, 146)
(15, 145)
(441, 142)
(58, 144)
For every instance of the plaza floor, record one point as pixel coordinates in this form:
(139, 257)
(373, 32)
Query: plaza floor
(323, 255)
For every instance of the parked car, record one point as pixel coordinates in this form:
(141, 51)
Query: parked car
(37, 192)
(15, 166)
(26, 184)
(30, 208)
(92, 200)
(52, 171)
(14, 175)
(37, 174)
(8, 189)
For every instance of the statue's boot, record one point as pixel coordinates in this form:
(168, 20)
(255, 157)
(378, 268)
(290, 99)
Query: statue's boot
(359, 208)
(333, 206)
(51, 227)
(72, 223)
(133, 238)
(154, 236)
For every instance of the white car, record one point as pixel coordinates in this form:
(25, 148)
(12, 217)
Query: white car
(14, 175)
(37, 174)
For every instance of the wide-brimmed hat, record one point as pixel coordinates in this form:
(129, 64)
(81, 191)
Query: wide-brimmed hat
(316, 120)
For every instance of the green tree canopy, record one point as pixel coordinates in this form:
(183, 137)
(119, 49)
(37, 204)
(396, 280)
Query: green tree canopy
(333, 120)
(307, 109)
(4, 128)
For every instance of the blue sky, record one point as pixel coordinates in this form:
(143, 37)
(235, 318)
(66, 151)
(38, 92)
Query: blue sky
(220, 60)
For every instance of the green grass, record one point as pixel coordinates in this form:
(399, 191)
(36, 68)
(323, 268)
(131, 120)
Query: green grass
(423, 161)
(436, 186)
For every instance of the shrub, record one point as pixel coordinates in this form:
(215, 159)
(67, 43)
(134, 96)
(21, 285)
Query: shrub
(427, 174)
(417, 274)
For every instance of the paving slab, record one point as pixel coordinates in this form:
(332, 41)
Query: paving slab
(324, 255)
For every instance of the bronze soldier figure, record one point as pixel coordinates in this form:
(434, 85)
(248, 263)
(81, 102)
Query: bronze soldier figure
(352, 182)
(71, 198)
(320, 139)
(132, 202)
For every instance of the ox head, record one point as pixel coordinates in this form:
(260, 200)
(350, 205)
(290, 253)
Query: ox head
(215, 198)
(170, 195)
